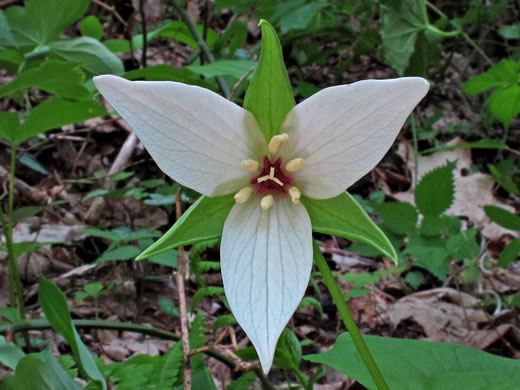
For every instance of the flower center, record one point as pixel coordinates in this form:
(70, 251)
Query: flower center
(271, 178)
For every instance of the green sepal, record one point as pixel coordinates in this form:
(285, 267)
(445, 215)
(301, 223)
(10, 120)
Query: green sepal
(270, 96)
(342, 216)
(204, 220)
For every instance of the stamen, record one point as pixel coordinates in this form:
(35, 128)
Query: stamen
(243, 195)
(275, 142)
(251, 165)
(295, 194)
(266, 202)
(294, 165)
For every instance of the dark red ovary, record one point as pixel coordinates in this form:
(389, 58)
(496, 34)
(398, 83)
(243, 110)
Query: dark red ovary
(270, 185)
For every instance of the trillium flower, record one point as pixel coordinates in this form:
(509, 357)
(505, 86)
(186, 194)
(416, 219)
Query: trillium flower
(215, 147)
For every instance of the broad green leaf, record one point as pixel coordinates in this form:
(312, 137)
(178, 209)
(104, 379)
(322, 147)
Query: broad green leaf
(430, 254)
(61, 78)
(510, 32)
(234, 68)
(42, 371)
(300, 17)
(509, 253)
(236, 35)
(54, 113)
(503, 173)
(9, 122)
(222, 321)
(10, 354)
(91, 27)
(203, 221)
(398, 217)
(503, 217)
(50, 17)
(126, 252)
(342, 216)
(504, 103)
(93, 289)
(482, 144)
(94, 57)
(474, 380)
(6, 37)
(402, 21)
(168, 258)
(420, 362)
(436, 190)
(503, 74)
(25, 35)
(54, 306)
(165, 72)
(243, 382)
(270, 96)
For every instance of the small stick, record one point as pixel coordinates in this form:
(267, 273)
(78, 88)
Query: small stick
(179, 276)
(112, 10)
(237, 84)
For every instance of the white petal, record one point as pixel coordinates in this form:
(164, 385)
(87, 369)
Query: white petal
(343, 132)
(195, 136)
(266, 261)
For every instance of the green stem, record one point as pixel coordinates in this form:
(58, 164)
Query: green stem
(39, 324)
(348, 320)
(459, 30)
(202, 44)
(302, 378)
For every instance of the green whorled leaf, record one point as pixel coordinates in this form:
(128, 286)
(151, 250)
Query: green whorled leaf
(436, 190)
(402, 21)
(234, 68)
(61, 78)
(503, 217)
(342, 216)
(270, 96)
(42, 371)
(420, 362)
(56, 112)
(503, 74)
(10, 354)
(398, 217)
(9, 122)
(482, 144)
(50, 17)
(509, 253)
(474, 380)
(94, 57)
(203, 221)
(91, 27)
(54, 306)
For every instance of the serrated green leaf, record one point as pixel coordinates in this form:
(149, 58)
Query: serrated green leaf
(421, 362)
(270, 96)
(203, 221)
(398, 217)
(503, 74)
(434, 225)
(509, 253)
(243, 382)
(56, 112)
(64, 79)
(342, 216)
(503, 217)
(436, 190)
(54, 306)
(504, 104)
(94, 57)
(91, 27)
(42, 371)
(222, 321)
(205, 292)
(414, 279)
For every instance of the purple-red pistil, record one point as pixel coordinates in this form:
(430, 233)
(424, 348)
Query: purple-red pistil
(273, 183)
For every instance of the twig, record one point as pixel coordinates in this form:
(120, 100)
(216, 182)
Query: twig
(112, 10)
(179, 276)
(207, 53)
(143, 30)
(238, 83)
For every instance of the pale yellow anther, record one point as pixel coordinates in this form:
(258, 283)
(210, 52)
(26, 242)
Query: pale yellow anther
(275, 142)
(251, 165)
(266, 202)
(243, 195)
(295, 194)
(294, 165)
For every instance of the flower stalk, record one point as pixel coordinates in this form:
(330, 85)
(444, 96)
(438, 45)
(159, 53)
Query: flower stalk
(348, 320)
